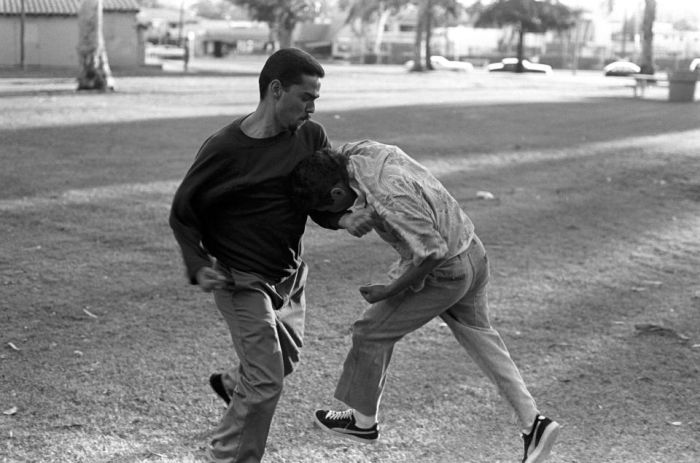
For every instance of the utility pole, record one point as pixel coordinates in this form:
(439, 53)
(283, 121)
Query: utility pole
(21, 34)
(181, 23)
(624, 34)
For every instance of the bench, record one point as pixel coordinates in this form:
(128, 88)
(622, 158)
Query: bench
(642, 81)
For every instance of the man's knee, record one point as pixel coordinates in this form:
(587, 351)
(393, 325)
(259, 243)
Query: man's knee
(362, 330)
(262, 380)
(271, 389)
(366, 332)
(260, 392)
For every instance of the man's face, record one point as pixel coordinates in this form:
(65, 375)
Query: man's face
(296, 104)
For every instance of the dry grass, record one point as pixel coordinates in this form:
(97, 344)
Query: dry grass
(594, 230)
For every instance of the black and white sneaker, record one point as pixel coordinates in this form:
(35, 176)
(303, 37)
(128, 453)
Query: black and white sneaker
(539, 442)
(217, 385)
(343, 424)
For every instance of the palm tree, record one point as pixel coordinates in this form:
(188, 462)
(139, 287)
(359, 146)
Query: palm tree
(95, 73)
(428, 11)
(536, 16)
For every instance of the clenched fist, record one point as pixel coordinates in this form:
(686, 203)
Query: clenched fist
(358, 223)
(210, 279)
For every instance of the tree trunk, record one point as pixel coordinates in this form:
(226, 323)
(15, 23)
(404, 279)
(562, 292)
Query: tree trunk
(272, 40)
(358, 30)
(428, 22)
(285, 37)
(647, 65)
(95, 73)
(417, 44)
(381, 23)
(284, 27)
(521, 49)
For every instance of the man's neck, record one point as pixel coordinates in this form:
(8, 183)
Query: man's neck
(260, 124)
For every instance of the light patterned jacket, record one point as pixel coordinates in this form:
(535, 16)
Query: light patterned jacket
(413, 211)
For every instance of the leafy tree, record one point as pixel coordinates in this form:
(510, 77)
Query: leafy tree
(687, 25)
(535, 16)
(149, 4)
(281, 15)
(647, 64)
(217, 9)
(362, 12)
(95, 73)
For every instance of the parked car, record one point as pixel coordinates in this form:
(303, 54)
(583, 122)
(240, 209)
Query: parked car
(621, 68)
(511, 64)
(165, 51)
(442, 63)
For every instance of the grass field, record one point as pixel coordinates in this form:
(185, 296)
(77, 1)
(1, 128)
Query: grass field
(593, 237)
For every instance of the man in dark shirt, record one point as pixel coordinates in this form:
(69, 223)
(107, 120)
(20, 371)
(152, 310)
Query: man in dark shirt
(240, 237)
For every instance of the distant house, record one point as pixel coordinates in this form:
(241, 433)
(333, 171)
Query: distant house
(51, 32)
(166, 25)
(219, 38)
(397, 45)
(317, 39)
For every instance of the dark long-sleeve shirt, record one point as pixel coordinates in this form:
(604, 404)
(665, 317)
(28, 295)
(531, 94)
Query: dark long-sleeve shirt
(234, 205)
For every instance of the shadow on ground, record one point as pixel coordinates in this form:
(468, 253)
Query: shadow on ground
(127, 152)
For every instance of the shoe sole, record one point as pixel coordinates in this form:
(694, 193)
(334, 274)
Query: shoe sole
(332, 432)
(549, 436)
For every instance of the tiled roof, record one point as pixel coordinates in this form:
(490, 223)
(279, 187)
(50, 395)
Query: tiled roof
(60, 7)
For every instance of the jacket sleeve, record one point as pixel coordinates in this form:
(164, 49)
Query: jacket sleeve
(400, 203)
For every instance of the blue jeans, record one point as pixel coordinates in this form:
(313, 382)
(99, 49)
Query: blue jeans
(266, 322)
(459, 298)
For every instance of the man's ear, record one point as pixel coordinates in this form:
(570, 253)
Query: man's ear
(338, 192)
(275, 88)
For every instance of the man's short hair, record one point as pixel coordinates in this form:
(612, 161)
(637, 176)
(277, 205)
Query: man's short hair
(288, 65)
(315, 176)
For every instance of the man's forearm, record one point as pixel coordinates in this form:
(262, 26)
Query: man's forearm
(188, 239)
(329, 220)
(412, 275)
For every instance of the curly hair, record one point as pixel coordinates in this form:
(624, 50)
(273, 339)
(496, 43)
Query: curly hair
(313, 178)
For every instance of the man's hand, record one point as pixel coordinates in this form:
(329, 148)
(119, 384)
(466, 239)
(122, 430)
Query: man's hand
(374, 293)
(358, 222)
(209, 279)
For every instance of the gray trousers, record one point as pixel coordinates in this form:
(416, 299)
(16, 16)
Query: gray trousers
(461, 301)
(266, 322)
